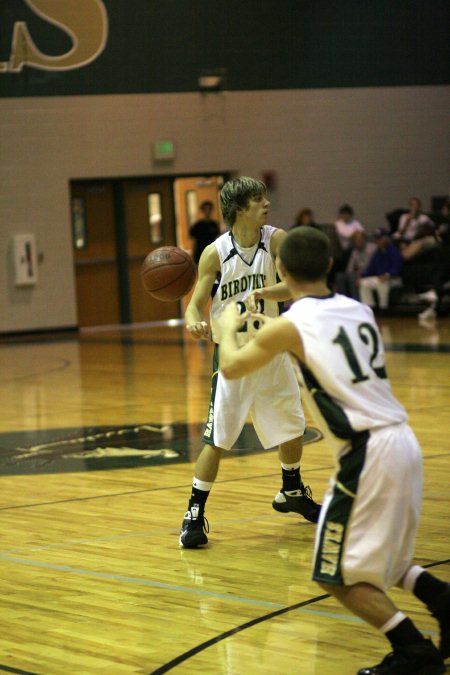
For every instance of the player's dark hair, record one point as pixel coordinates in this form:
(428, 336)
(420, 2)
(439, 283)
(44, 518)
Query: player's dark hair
(346, 208)
(207, 203)
(305, 253)
(236, 194)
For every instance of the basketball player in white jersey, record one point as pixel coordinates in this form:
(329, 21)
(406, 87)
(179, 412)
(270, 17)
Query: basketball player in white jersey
(237, 264)
(367, 525)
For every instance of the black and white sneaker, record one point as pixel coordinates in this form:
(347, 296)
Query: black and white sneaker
(441, 612)
(417, 659)
(301, 503)
(193, 530)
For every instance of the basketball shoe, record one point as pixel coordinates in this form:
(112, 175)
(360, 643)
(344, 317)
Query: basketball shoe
(300, 502)
(417, 659)
(441, 612)
(193, 529)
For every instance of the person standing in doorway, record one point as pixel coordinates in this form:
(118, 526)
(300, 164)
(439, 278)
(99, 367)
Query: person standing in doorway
(204, 231)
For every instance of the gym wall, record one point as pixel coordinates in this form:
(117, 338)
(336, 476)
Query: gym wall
(344, 101)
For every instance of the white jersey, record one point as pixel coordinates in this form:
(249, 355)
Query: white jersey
(243, 270)
(344, 369)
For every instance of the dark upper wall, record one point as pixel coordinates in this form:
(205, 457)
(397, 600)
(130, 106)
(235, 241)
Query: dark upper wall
(164, 45)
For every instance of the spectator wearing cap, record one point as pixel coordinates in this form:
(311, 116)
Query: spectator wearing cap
(382, 273)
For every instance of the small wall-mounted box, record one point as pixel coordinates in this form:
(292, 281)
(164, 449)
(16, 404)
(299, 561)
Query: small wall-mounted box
(25, 260)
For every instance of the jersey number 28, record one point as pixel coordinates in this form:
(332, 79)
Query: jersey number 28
(254, 323)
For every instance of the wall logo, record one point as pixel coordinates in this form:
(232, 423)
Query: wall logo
(84, 21)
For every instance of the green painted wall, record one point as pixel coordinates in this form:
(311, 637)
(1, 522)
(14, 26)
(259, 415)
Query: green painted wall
(163, 45)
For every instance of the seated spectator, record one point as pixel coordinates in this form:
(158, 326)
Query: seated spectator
(440, 277)
(410, 223)
(304, 217)
(347, 282)
(346, 226)
(425, 239)
(443, 229)
(393, 218)
(442, 217)
(382, 273)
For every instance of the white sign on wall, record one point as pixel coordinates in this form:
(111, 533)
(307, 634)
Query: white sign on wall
(25, 260)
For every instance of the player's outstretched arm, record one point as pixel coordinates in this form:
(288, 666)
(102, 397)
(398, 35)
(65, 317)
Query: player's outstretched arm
(208, 267)
(278, 292)
(276, 336)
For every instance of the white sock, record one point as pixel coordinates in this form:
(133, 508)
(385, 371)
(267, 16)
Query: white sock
(202, 484)
(409, 580)
(290, 467)
(393, 622)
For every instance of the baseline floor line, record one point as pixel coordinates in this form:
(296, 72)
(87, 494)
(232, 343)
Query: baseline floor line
(136, 581)
(132, 535)
(184, 486)
(171, 487)
(171, 587)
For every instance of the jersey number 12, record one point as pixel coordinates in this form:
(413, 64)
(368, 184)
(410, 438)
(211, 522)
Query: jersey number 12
(369, 336)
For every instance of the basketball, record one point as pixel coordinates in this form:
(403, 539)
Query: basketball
(168, 273)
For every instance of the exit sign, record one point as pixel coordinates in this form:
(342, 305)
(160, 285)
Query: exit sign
(164, 150)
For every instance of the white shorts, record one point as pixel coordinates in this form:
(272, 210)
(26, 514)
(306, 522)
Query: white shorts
(369, 517)
(270, 396)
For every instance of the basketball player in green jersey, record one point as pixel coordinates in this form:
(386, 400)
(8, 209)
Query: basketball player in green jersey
(365, 537)
(237, 264)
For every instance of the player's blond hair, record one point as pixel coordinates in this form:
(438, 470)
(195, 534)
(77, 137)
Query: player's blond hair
(236, 194)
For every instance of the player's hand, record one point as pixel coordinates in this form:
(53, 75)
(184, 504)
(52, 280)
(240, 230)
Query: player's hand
(231, 318)
(252, 301)
(198, 330)
(262, 318)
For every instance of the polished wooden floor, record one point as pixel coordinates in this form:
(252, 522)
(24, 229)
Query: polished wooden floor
(92, 578)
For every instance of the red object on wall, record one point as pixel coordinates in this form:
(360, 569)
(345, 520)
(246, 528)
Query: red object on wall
(269, 178)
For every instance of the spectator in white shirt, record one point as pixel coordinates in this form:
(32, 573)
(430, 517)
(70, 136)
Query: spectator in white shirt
(346, 226)
(410, 223)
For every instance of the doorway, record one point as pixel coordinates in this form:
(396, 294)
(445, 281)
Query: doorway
(189, 194)
(115, 224)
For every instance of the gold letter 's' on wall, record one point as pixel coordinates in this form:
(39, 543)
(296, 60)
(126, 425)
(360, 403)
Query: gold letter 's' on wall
(86, 23)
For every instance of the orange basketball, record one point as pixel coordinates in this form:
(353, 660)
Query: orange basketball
(168, 273)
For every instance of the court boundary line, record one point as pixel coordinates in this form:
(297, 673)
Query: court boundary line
(195, 650)
(249, 624)
(18, 671)
(157, 489)
(63, 365)
(175, 487)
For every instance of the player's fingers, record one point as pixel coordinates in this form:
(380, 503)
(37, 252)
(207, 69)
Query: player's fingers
(196, 329)
(257, 316)
(242, 318)
(251, 302)
(204, 330)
